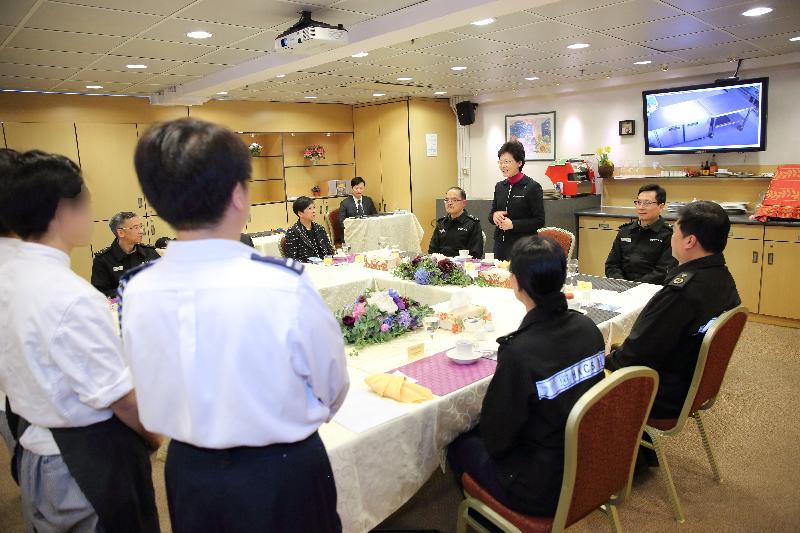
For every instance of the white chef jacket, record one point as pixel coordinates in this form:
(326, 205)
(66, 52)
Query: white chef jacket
(61, 360)
(229, 351)
(8, 249)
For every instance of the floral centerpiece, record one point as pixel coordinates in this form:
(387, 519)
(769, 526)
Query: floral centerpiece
(494, 277)
(605, 167)
(435, 269)
(255, 149)
(380, 316)
(314, 153)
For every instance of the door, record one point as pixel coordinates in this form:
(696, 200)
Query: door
(155, 227)
(267, 217)
(780, 292)
(53, 137)
(593, 248)
(743, 258)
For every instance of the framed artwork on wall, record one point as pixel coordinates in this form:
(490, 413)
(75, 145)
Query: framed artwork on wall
(627, 127)
(536, 132)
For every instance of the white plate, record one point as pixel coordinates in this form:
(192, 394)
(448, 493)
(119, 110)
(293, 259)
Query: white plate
(451, 354)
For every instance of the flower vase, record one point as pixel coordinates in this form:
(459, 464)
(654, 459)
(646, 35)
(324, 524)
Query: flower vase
(606, 170)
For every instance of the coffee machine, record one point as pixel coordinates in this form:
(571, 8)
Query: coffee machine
(574, 177)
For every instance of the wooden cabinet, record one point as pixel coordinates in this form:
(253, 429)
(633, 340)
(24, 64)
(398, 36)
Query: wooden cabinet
(595, 237)
(743, 257)
(154, 228)
(57, 138)
(780, 292)
(394, 149)
(266, 217)
(82, 257)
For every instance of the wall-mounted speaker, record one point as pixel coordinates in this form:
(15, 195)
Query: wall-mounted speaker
(466, 112)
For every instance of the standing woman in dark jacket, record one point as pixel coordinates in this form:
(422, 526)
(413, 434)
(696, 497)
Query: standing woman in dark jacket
(556, 355)
(518, 204)
(306, 238)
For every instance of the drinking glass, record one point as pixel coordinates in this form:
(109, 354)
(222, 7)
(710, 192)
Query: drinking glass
(572, 271)
(383, 242)
(346, 248)
(431, 324)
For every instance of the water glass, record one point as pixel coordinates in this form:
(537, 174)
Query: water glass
(572, 271)
(346, 248)
(383, 242)
(431, 324)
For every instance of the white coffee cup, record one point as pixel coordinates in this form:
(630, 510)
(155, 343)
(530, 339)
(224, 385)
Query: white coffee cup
(464, 348)
(463, 253)
(489, 256)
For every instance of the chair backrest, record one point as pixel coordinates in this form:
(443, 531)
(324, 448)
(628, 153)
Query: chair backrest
(564, 238)
(601, 442)
(337, 231)
(282, 246)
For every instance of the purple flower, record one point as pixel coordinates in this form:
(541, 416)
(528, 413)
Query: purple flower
(404, 319)
(384, 327)
(416, 260)
(422, 276)
(348, 321)
(446, 266)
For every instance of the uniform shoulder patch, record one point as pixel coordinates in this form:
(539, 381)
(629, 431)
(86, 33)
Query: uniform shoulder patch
(681, 280)
(101, 252)
(473, 217)
(293, 265)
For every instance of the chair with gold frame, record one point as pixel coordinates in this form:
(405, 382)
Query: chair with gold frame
(715, 353)
(564, 238)
(608, 417)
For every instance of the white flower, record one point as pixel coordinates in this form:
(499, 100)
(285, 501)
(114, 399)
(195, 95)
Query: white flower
(438, 257)
(384, 302)
(405, 260)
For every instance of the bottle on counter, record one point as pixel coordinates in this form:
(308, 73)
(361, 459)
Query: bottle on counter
(714, 167)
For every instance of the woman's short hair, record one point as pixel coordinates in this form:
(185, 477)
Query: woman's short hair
(301, 204)
(540, 266)
(516, 150)
(188, 169)
(32, 191)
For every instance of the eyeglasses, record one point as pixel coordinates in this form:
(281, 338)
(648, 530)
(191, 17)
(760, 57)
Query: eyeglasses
(137, 227)
(452, 200)
(644, 203)
(503, 162)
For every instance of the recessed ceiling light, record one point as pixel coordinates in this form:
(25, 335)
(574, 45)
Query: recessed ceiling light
(578, 46)
(360, 54)
(608, 77)
(309, 97)
(404, 79)
(642, 62)
(94, 86)
(483, 22)
(378, 94)
(281, 76)
(458, 68)
(199, 34)
(795, 38)
(137, 65)
(532, 78)
(757, 11)
(223, 92)
(440, 92)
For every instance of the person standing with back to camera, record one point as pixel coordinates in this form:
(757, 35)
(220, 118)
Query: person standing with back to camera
(518, 204)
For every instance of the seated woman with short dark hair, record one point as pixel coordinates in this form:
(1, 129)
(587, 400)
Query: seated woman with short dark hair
(306, 239)
(517, 451)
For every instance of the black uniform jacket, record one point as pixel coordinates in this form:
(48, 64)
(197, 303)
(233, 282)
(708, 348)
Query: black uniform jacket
(524, 202)
(524, 430)
(302, 243)
(112, 262)
(641, 253)
(461, 233)
(667, 334)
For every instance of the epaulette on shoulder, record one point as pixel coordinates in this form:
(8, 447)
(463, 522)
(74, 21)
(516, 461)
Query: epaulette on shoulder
(681, 280)
(101, 252)
(473, 217)
(293, 265)
(628, 223)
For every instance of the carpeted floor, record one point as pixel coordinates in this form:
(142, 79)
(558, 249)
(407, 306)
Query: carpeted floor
(752, 428)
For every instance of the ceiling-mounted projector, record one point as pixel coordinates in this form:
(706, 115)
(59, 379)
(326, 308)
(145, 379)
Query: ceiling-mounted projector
(309, 36)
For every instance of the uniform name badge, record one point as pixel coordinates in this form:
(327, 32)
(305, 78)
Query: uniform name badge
(569, 377)
(625, 239)
(118, 268)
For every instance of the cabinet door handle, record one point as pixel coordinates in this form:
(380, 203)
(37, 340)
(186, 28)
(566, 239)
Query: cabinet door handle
(140, 202)
(755, 257)
(604, 225)
(769, 258)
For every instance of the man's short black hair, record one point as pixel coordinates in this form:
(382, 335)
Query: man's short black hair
(708, 222)
(357, 181)
(8, 160)
(31, 194)
(188, 169)
(461, 192)
(301, 204)
(119, 219)
(516, 150)
(661, 192)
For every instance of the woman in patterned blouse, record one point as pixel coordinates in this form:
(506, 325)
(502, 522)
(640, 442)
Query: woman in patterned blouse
(306, 239)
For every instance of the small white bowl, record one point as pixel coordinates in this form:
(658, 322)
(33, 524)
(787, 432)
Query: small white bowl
(459, 360)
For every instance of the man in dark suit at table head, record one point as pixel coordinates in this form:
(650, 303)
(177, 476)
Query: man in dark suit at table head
(669, 331)
(356, 205)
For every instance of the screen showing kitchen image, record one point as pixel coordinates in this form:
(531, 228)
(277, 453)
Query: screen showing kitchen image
(719, 117)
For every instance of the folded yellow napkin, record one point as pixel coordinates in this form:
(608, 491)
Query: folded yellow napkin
(398, 388)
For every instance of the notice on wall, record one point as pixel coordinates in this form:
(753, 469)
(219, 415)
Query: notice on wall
(431, 144)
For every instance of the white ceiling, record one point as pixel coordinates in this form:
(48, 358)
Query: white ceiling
(64, 45)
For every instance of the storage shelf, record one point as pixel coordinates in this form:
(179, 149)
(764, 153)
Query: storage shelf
(266, 155)
(321, 165)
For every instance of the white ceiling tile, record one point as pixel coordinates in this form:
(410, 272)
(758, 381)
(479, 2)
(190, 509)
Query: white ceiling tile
(681, 42)
(65, 41)
(197, 69)
(168, 79)
(231, 56)
(52, 16)
(253, 13)
(263, 42)
(421, 43)
(731, 16)
(376, 55)
(617, 15)
(659, 29)
(694, 6)
(162, 49)
(175, 30)
(589, 55)
(779, 43)
(81, 86)
(595, 40)
(117, 63)
(719, 53)
(25, 56)
(469, 47)
(372, 71)
(371, 7)
(154, 7)
(4, 31)
(539, 32)
(415, 60)
(13, 11)
(111, 76)
(37, 71)
(766, 28)
(568, 7)
(505, 22)
(25, 83)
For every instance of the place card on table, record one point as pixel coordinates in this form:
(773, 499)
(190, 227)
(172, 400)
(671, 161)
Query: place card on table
(415, 351)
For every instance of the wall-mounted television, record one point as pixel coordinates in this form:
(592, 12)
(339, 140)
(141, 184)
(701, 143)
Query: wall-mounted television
(726, 116)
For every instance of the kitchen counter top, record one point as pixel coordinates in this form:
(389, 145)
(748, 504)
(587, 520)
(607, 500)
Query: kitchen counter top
(630, 213)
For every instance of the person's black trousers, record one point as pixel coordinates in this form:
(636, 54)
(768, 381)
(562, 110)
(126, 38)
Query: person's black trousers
(281, 487)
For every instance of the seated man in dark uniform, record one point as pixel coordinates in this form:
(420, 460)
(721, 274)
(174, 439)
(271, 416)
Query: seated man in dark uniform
(668, 332)
(458, 230)
(125, 253)
(641, 250)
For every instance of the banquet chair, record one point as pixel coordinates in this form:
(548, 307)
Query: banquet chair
(282, 246)
(715, 354)
(563, 237)
(600, 446)
(337, 230)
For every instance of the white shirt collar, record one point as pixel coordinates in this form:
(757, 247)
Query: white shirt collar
(205, 250)
(358, 200)
(42, 251)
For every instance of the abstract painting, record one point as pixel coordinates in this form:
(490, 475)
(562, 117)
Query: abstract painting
(536, 132)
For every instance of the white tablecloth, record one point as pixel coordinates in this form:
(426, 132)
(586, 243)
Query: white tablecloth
(379, 469)
(402, 229)
(269, 245)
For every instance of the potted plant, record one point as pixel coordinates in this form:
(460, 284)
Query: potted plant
(314, 153)
(605, 167)
(255, 149)
(316, 190)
